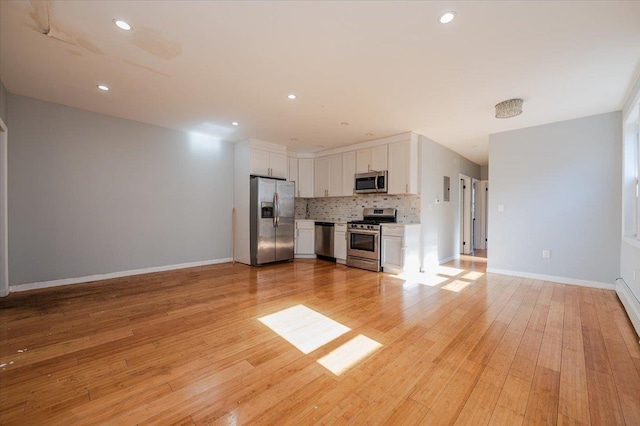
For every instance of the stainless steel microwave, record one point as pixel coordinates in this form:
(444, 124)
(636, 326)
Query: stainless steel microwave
(371, 182)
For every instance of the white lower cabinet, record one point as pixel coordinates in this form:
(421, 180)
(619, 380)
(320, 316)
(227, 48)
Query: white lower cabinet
(400, 248)
(340, 242)
(305, 239)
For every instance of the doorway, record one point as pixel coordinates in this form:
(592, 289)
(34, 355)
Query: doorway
(466, 215)
(4, 258)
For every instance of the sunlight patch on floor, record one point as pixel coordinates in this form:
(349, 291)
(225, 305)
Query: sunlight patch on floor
(448, 271)
(457, 285)
(431, 280)
(344, 357)
(473, 275)
(304, 328)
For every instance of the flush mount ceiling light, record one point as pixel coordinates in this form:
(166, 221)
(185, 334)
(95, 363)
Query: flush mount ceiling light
(235, 123)
(447, 17)
(103, 87)
(509, 108)
(344, 123)
(292, 96)
(123, 25)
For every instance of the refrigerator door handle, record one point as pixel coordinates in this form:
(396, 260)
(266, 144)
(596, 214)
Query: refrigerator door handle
(276, 205)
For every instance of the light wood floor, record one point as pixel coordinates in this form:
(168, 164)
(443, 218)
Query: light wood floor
(211, 345)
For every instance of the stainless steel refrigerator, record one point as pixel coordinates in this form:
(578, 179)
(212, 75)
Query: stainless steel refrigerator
(272, 220)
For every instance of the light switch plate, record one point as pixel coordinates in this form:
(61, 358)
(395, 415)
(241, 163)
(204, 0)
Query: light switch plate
(500, 208)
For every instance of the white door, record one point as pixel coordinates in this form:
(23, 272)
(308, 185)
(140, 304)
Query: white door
(465, 214)
(4, 258)
(480, 234)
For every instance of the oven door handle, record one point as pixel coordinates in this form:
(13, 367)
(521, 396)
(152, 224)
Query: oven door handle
(376, 181)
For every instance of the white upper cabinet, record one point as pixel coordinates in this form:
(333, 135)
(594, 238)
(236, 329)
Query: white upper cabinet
(348, 172)
(279, 165)
(304, 184)
(293, 171)
(403, 167)
(328, 176)
(260, 162)
(370, 159)
(265, 163)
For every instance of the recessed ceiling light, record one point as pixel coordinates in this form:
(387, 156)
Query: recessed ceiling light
(293, 139)
(369, 134)
(292, 96)
(447, 17)
(235, 123)
(123, 25)
(320, 146)
(103, 87)
(344, 123)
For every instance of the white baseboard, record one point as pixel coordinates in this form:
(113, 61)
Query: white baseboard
(448, 259)
(89, 278)
(552, 278)
(630, 303)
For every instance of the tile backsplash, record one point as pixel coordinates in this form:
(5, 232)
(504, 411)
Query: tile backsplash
(350, 208)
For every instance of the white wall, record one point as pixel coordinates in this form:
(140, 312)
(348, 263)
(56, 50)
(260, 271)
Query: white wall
(560, 187)
(439, 219)
(484, 172)
(93, 194)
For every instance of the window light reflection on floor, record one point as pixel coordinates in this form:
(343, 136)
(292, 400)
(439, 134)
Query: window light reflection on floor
(430, 280)
(342, 358)
(457, 285)
(304, 328)
(472, 275)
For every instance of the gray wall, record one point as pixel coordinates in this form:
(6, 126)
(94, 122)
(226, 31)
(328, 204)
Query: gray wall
(484, 172)
(3, 103)
(440, 220)
(560, 187)
(92, 194)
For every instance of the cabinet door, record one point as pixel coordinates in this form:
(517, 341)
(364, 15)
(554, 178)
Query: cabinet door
(293, 171)
(379, 158)
(321, 177)
(399, 168)
(363, 160)
(305, 177)
(279, 165)
(340, 245)
(392, 253)
(305, 241)
(348, 172)
(260, 162)
(403, 168)
(335, 175)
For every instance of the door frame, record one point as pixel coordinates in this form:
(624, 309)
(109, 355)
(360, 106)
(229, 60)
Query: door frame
(4, 223)
(465, 222)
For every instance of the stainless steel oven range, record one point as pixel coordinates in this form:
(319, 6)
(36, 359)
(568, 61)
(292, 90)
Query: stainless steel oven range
(363, 238)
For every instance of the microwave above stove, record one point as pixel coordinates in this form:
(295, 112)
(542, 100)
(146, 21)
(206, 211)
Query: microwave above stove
(371, 182)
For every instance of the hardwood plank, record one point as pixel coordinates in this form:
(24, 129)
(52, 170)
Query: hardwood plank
(186, 347)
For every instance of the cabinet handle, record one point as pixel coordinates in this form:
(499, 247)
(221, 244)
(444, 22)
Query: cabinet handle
(368, 167)
(406, 188)
(298, 193)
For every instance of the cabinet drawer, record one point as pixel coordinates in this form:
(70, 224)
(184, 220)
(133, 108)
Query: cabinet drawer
(341, 227)
(305, 224)
(393, 230)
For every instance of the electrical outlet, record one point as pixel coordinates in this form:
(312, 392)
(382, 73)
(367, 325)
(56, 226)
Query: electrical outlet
(500, 208)
(546, 254)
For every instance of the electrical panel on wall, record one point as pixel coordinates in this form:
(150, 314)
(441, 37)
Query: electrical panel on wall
(446, 189)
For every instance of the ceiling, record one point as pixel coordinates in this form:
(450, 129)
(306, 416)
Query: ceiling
(382, 67)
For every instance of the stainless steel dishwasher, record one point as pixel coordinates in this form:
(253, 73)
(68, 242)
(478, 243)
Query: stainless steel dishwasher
(324, 239)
